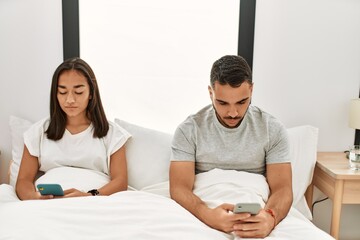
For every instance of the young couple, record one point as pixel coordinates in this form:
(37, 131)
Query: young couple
(230, 133)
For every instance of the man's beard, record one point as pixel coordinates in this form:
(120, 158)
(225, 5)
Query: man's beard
(230, 118)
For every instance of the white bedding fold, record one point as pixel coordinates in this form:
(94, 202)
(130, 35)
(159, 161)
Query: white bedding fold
(219, 186)
(142, 214)
(124, 215)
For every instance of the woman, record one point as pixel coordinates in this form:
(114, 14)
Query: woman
(77, 134)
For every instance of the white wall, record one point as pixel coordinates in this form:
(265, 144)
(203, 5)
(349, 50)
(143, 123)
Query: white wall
(30, 50)
(306, 64)
(158, 60)
(306, 70)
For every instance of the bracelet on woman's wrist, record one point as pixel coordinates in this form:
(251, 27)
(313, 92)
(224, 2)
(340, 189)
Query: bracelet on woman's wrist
(94, 192)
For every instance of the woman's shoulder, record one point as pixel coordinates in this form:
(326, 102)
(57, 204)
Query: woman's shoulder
(115, 137)
(40, 125)
(116, 129)
(34, 134)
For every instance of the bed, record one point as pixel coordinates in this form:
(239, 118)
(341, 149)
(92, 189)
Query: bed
(146, 211)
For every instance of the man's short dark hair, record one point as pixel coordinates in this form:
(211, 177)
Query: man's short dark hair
(232, 70)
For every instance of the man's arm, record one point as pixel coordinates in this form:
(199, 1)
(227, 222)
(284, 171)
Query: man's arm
(280, 183)
(182, 177)
(279, 178)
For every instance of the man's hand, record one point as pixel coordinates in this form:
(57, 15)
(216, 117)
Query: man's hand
(182, 177)
(256, 226)
(222, 218)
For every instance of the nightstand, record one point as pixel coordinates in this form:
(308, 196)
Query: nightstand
(333, 177)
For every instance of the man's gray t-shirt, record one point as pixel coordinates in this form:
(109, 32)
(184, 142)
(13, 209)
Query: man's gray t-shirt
(259, 140)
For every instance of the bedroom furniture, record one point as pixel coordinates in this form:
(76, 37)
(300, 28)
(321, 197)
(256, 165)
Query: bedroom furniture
(333, 177)
(354, 117)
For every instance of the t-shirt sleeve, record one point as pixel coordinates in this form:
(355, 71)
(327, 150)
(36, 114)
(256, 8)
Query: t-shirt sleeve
(279, 145)
(34, 135)
(115, 138)
(183, 145)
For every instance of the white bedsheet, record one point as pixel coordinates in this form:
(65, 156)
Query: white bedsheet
(219, 186)
(140, 214)
(124, 215)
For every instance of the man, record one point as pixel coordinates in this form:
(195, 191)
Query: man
(232, 134)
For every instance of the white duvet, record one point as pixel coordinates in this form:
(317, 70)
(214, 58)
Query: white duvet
(146, 214)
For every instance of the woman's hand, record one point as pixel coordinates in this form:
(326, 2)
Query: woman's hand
(67, 193)
(73, 192)
(38, 196)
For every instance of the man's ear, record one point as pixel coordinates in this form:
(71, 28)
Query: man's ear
(210, 91)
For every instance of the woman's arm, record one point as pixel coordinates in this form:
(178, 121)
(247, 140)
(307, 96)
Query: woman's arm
(29, 167)
(118, 173)
(118, 177)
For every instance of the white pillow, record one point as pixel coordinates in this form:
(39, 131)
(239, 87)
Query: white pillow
(147, 154)
(17, 128)
(303, 150)
(73, 177)
(145, 144)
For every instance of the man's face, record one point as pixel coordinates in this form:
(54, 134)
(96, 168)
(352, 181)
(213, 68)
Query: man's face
(230, 103)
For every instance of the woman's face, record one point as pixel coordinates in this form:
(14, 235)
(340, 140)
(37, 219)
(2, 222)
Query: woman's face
(73, 93)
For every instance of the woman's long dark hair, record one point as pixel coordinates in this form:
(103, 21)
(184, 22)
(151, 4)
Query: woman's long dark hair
(94, 111)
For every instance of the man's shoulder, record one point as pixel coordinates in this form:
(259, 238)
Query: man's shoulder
(261, 119)
(260, 114)
(197, 119)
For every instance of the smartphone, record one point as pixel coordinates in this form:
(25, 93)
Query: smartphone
(50, 189)
(252, 208)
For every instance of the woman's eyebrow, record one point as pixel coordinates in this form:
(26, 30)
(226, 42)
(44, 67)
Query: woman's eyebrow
(76, 86)
(79, 86)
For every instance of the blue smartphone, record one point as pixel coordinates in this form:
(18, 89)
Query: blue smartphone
(50, 189)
